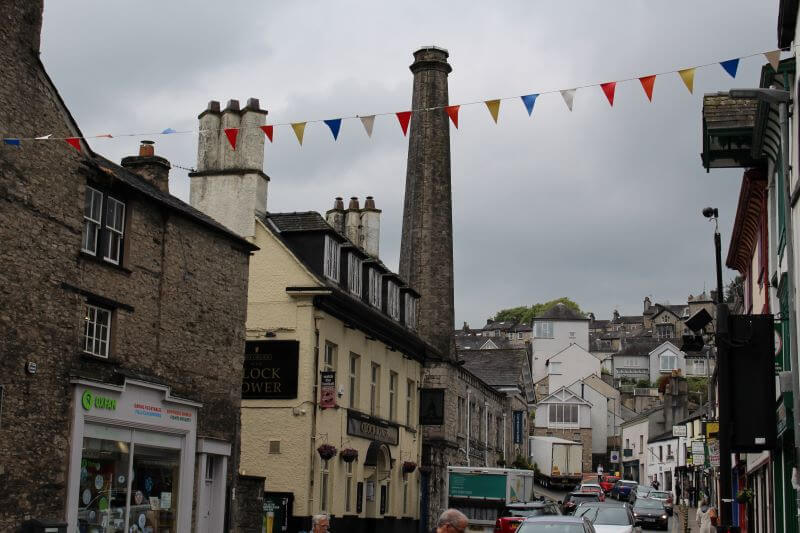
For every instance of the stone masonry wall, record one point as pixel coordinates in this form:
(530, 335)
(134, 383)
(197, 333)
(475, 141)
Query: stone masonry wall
(186, 286)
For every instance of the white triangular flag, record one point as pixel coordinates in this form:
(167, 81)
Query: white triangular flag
(368, 122)
(568, 95)
(44, 137)
(774, 58)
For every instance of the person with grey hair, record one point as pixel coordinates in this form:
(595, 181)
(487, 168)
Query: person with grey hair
(452, 521)
(320, 523)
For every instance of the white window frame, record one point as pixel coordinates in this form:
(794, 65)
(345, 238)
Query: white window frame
(355, 363)
(554, 368)
(97, 331)
(375, 389)
(354, 269)
(115, 229)
(375, 279)
(392, 396)
(329, 357)
(393, 299)
(668, 355)
(411, 311)
(544, 329)
(92, 219)
(332, 255)
(563, 415)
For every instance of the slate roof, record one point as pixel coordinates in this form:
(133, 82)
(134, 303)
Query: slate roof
(676, 310)
(560, 312)
(599, 324)
(523, 326)
(720, 111)
(630, 319)
(172, 203)
(502, 325)
(496, 367)
(465, 342)
(300, 221)
(639, 348)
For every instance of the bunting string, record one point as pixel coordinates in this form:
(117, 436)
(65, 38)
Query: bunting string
(687, 75)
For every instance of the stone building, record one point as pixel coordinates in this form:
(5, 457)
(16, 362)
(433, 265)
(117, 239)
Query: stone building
(332, 357)
(121, 326)
(426, 262)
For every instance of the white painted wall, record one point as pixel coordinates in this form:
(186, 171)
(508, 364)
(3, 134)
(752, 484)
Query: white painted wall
(631, 366)
(655, 360)
(656, 467)
(598, 414)
(634, 434)
(565, 332)
(570, 365)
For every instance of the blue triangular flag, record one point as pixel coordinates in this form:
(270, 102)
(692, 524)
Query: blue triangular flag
(730, 66)
(334, 124)
(529, 100)
(12, 142)
(167, 131)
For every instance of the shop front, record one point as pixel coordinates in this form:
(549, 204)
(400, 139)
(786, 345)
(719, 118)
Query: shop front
(132, 462)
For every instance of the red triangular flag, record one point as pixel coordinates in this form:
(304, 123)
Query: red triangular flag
(609, 89)
(232, 133)
(74, 142)
(404, 117)
(647, 85)
(452, 112)
(267, 131)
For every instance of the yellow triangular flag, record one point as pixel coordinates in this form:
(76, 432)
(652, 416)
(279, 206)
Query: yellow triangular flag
(774, 58)
(299, 128)
(494, 108)
(687, 75)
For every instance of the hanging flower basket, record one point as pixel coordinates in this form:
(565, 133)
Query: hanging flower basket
(327, 451)
(744, 496)
(409, 466)
(348, 455)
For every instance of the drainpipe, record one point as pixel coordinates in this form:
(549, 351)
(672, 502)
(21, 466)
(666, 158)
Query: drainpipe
(505, 451)
(469, 422)
(313, 420)
(486, 434)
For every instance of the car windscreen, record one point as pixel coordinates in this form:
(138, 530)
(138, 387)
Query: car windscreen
(577, 499)
(648, 504)
(539, 511)
(659, 494)
(550, 527)
(605, 516)
(629, 484)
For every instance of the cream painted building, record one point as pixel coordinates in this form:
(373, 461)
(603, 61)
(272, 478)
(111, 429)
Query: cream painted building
(332, 360)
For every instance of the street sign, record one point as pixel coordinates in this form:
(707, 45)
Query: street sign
(713, 452)
(679, 431)
(614, 456)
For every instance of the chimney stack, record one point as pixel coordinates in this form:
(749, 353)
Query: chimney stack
(335, 216)
(426, 249)
(230, 185)
(352, 222)
(371, 227)
(152, 168)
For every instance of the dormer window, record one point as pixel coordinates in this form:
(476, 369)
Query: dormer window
(354, 267)
(374, 288)
(393, 300)
(411, 312)
(331, 258)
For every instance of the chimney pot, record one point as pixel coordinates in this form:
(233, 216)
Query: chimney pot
(353, 203)
(338, 203)
(369, 203)
(213, 106)
(253, 103)
(233, 105)
(146, 149)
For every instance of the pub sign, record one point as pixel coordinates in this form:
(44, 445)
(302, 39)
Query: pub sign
(270, 370)
(361, 425)
(431, 407)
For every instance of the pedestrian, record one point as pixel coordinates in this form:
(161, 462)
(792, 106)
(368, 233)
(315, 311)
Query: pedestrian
(655, 483)
(706, 517)
(320, 523)
(599, 473)
(692, 493)
(678, 495)
(452, 521)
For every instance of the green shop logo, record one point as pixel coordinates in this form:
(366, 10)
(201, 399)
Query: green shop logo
(101, 402)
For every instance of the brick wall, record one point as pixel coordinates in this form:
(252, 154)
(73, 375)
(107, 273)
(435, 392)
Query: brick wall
(186, 286)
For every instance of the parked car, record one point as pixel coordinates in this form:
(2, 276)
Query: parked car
(607, 482)
(609, 517)
(640, 491)
(664, 497)
(593, 487)
(514, 514)
(622, 488)
(573, 499)
(649, 512)
(561, 524)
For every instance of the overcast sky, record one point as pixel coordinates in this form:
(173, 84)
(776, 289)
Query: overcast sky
(601, 204)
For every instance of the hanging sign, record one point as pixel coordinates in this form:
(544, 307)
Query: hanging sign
(679, 431)
(270, 370)
(431, 407)
(327, 389)
(517, 427)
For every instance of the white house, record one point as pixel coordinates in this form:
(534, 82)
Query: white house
(596, 391)
(569, 365)
(566, 415)
(553, 331)
(634, 448)
(665, 358)
(633, 361)
(662, 459)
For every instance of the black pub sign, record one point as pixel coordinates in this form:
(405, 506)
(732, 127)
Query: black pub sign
(361, 425)
(270, 370)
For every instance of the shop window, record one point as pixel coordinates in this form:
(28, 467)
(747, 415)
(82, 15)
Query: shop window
(97, 330)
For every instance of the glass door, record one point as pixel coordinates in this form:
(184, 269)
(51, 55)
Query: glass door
(154, 489)
(103, 490)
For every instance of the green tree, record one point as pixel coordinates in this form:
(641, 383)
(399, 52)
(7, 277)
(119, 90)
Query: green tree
(525, 313)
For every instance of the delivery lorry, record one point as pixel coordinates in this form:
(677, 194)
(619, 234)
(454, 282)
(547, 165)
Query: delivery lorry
(558, 462)
(482, 493)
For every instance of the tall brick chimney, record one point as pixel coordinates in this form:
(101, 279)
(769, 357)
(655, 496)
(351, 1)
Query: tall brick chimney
(154, 169)
(335, 216)
(426, 249)
(230, 185)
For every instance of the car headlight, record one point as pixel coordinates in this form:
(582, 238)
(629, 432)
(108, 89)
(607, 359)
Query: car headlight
(636, 514)
(664, 516)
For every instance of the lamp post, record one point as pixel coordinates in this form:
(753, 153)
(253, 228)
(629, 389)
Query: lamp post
(721, 341)
(782, 99)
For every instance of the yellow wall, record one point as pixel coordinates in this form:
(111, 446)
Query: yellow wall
(270, 308)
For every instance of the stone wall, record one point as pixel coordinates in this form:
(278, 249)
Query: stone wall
(180, 293)
(583, 436)
(249, 504)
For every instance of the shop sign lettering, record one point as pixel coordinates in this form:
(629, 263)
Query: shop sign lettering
(270, 370)
(370, 430)
(89, 400)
